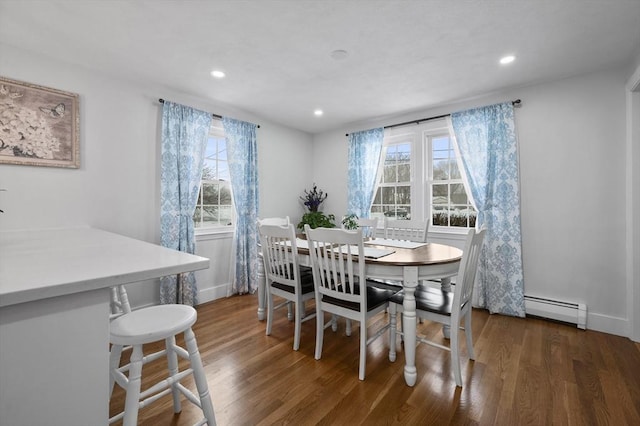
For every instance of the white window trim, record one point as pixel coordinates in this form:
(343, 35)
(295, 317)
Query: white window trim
(218, 231)
(421, 169)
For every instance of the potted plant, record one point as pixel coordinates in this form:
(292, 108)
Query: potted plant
(315, 218)
(350, 222)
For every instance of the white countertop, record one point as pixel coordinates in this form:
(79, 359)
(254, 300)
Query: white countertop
(44, 263)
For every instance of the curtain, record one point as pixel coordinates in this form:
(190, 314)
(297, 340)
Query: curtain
(242, 154)
(184, 137)
(363, 157)
(485, 141)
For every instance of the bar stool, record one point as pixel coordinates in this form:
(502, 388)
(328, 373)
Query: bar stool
(152, 324)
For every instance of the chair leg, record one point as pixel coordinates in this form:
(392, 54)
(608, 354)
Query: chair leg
(455, 356)
(319, 331)
(363, 348)
(199, 376)
(132, 400)
(348, 327)
(297, 326)
(269, 310)
(468, 334)
(393, 324)
(114, 362)
(172, 363)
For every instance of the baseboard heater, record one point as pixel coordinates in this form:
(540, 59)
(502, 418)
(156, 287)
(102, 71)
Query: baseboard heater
(574, 313)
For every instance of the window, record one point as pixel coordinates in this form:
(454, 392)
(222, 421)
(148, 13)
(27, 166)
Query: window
(449, 204)
(420, 178)
(214, 208)
(393, 195)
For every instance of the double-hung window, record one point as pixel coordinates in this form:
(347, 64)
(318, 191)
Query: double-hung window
(214, 209)
(393, 194)
(420, 179)
(449, 205)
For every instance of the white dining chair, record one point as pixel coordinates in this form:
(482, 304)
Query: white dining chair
(406, 230)
(341, 287)
(369, 227)
(284, 277)
(447, 308)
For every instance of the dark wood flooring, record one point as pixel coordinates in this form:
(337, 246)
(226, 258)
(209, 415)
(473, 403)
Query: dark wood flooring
(527, 372)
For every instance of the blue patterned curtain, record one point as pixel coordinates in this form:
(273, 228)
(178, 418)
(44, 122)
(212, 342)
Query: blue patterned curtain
(486, 141)
(184, 137)
(364, 155)
(242, 154)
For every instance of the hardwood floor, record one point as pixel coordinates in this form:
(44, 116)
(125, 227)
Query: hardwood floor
(527, 372)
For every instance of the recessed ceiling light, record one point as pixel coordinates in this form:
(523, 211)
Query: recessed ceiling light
(217, 74)
(318, 112)
(507, 59)
(339, 54)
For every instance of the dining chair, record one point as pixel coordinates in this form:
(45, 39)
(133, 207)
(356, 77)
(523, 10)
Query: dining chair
(448, 308)
(284, 277)
(275, 220)
(341, 287)
(369, 227)
(406, 230)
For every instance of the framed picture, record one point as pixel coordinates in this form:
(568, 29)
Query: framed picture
(39, 126)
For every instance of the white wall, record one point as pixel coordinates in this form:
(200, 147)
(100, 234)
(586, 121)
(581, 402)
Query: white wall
(117, 185)
(572, 163)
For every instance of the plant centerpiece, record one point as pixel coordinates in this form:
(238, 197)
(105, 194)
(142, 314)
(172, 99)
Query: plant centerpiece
(350, 221)
(315, 218)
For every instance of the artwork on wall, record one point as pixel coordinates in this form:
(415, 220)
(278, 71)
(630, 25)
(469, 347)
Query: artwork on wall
(39, 126)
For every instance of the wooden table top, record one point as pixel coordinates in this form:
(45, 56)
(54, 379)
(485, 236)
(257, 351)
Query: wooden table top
(428, 254)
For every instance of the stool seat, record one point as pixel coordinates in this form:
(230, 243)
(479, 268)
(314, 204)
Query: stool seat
(152, 324)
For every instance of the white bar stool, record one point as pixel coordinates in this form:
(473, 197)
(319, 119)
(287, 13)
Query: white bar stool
(152, 324)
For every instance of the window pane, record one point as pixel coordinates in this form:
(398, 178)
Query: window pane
(377, 199)
(440, 194)
(403, 195)
(210, 193)
(455, 171)
(388, 195)
(404, 172)
(458, 194)
(441, 170)
(440, 143)
(390, 173)
(225, 195)
(440, 216)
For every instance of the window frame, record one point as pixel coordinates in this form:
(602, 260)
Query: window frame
(217, 131)
(421, 136)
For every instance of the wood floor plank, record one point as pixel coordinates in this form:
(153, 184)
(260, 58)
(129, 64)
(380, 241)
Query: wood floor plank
(527, 372)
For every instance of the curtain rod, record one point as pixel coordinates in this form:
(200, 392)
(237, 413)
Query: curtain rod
(515, 103)
(212, 114)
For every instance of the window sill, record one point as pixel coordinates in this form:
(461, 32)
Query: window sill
(213, 233)
(453, 234)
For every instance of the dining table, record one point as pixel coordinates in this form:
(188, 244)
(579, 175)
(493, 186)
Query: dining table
(54, 318)
(405, 262)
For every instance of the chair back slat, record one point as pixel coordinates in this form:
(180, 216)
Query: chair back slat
(468, 269)
(406, 230)
(336, 267)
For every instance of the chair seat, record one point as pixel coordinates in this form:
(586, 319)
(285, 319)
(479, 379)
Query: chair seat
(429, 299)
(306, 282)
(375, 297)
(151, 324)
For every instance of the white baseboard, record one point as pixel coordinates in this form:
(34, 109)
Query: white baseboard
(213, 293)
(608, 324)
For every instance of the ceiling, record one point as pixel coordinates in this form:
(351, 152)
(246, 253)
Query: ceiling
(403, 56)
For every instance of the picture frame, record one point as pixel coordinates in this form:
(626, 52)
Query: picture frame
(39, 126)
